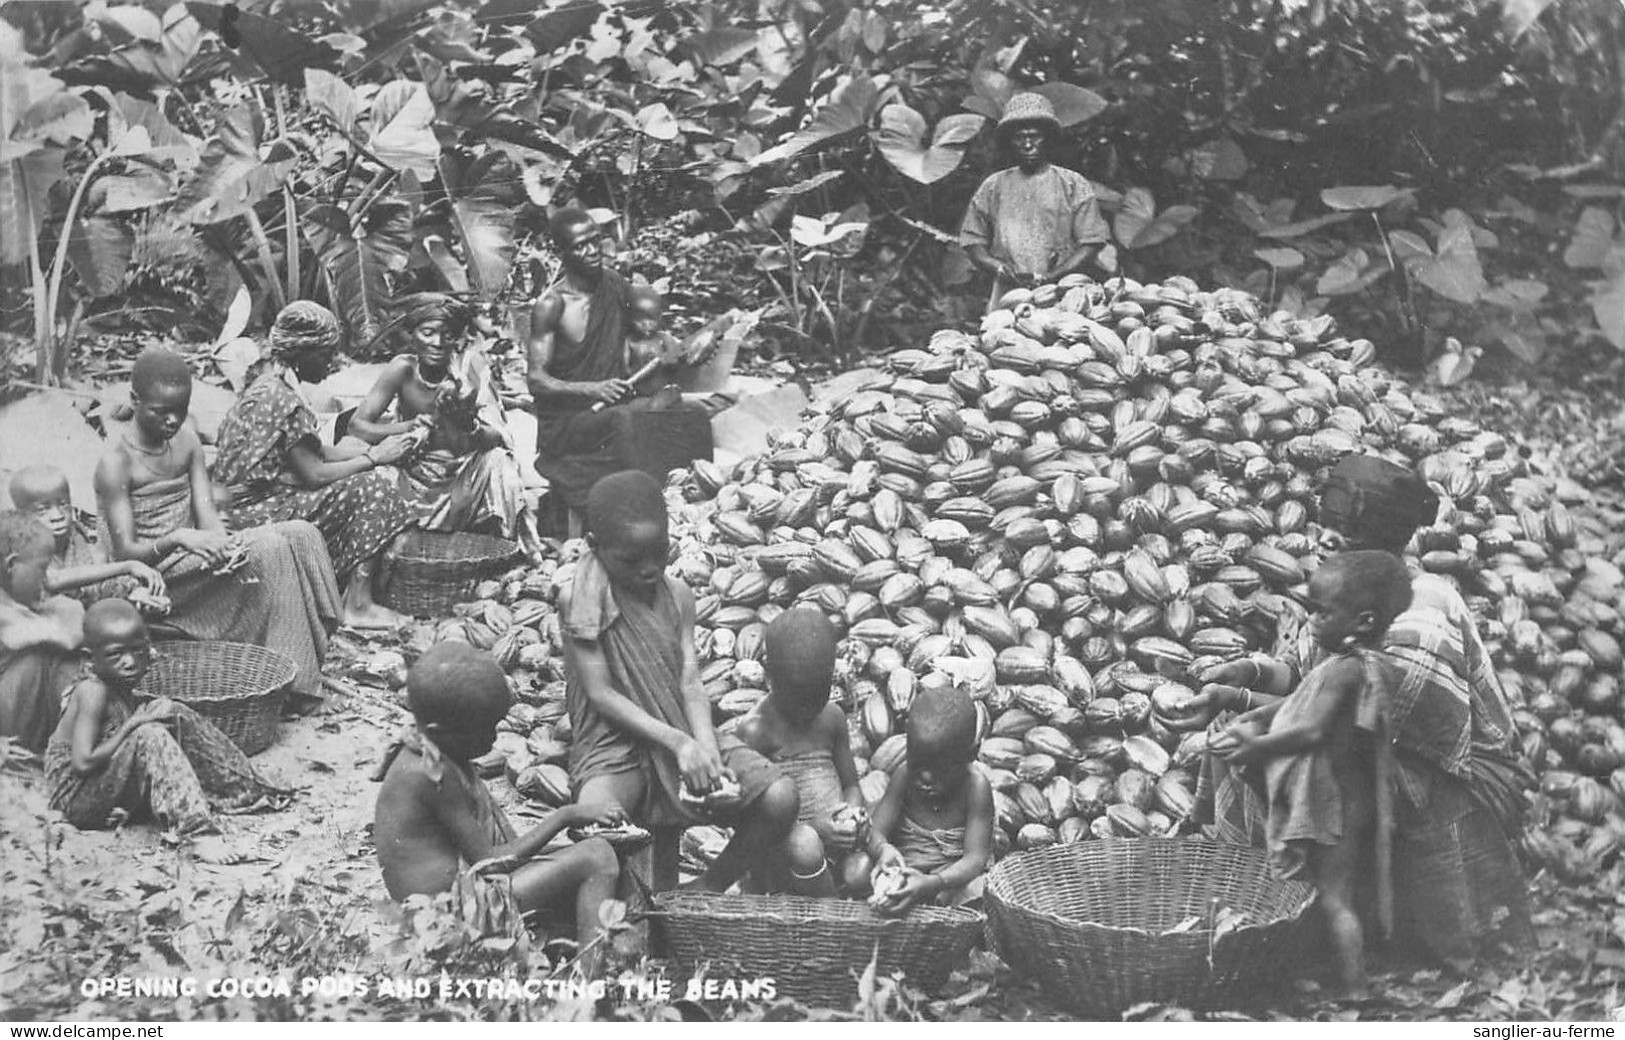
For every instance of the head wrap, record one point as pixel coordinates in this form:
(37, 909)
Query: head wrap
(1376, 502)
(303, 326)
(417, 308)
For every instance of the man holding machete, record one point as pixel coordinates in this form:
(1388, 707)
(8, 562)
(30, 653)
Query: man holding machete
(588, 409)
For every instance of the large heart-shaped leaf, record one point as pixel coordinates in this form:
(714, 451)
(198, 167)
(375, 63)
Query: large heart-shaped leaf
(484, 211)
(1220, 159)
(1608, 304)
(99, 250)
(1073, 104)
(24, 200)
(22, 88)
(814, 233)
(1350, 273)
(1299, 228)
(123, 24)
(269, 44)
(1361, 197)
(359, 265)
(990, 91)
(1454, 271)
(722, 45)
(162, 63)
(333, 98)
(61, 118)
(230, 180)
(1517, 294)
(1593, 244)
(656, 121)
(1282, 258)
(1138, 225)
(140, 186)
(1523, 337)
(1408, 246)
(567, 21)
(901, 139)
(131, 111)
(402, 128)
(850, 109)
(460, 109)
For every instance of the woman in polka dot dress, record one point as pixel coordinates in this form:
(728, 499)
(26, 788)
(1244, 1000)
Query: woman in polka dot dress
(275, 467)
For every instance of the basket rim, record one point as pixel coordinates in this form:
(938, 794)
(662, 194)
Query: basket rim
(286, 668)
(1305, 896)
(498, 548)
(759, 907)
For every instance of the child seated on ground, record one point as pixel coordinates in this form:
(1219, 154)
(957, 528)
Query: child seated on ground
(80, 567)
(934, 824)
(438, 828)
(1326, 754)
(797, 729)
(39, 635)
(110, 754)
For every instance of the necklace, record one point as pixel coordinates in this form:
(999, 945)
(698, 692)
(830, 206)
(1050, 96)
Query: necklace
(160, 453)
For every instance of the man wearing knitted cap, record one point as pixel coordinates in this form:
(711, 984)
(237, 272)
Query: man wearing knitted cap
(1035, 221)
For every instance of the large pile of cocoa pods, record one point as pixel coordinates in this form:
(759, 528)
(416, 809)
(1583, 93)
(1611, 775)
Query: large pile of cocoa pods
(1072, 514)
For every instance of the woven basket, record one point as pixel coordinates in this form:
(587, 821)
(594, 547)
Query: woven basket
(433, 570)
(814, 949)
(237, 686)
(1093, 922)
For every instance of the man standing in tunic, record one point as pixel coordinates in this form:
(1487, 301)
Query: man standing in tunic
(1034, 222)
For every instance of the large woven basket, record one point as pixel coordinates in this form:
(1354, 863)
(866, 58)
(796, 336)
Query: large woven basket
(1103, 925)
(237, 686)
(433, 570)
(814, 949)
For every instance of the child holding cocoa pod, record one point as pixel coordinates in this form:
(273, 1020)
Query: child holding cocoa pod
(932, 836)
(1325, 752)
(797, 729)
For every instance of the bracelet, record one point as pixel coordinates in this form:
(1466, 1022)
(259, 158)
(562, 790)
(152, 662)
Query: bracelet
(1258, 671)
(370, 460)
(1248, 706)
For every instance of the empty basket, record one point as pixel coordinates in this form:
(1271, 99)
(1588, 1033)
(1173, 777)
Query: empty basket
(1103, 925)
(434, 570)
(814, 949)
(237, 686)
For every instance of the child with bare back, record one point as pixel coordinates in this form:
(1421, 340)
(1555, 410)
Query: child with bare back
(932, 836)
(80, 567)
(111, 757)
(797, 729)
(438, 828)
(1325, 750)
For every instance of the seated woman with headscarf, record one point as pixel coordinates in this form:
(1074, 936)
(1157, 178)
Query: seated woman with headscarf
(1459, 783)
(275, 467)
(466, 474)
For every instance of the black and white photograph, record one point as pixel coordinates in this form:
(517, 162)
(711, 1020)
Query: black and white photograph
(873, 511)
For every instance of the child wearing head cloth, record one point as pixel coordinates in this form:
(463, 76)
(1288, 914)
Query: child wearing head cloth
(934, 824)
(1326, 751)
(798, 729)
(39, 634)
(438, 828)
(641, 728)
(111, 755)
